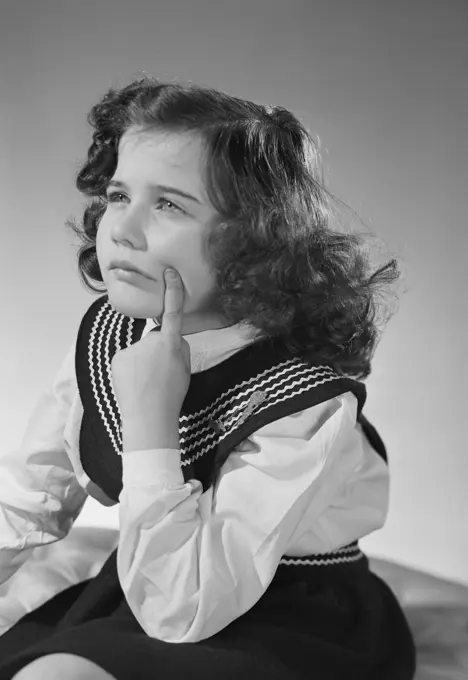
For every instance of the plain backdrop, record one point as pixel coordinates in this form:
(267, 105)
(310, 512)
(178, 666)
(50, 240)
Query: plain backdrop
(384, 87)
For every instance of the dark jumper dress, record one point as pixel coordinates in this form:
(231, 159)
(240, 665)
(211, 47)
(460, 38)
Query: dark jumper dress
(323, 617)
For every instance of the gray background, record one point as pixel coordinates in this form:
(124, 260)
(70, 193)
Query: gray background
(383, 85)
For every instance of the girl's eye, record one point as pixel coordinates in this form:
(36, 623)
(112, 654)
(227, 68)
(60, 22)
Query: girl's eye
(176, 207)
(112, 197)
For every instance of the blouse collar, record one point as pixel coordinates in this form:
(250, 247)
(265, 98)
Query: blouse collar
(210, 347)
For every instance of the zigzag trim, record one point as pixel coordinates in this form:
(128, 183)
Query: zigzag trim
(320, 563)
(95, 353)
(283, 378)
(229, 410)
(270, 403)
(350, 553)
(243, 389)
(258, 382)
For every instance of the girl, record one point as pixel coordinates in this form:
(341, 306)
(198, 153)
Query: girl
(233, 438)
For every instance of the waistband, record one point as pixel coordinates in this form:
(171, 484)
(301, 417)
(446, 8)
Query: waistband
(347, 561)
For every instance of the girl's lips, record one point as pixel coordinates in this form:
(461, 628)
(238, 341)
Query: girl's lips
(131, 276)
(129, 266)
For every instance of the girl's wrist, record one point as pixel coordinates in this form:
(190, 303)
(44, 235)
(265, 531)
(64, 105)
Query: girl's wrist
(158, 433)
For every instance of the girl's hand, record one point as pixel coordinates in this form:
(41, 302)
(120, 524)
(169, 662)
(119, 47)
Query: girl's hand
(152, 376)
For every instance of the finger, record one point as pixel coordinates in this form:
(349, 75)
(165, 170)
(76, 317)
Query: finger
(171, 320)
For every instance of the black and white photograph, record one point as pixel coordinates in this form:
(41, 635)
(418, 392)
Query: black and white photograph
(233, 365)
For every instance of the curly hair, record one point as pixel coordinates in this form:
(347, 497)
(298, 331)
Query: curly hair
(279, 264)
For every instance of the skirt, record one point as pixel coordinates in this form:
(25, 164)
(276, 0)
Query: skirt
(312, 628)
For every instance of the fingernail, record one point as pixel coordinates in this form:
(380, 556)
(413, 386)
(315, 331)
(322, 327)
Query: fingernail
(171, 274)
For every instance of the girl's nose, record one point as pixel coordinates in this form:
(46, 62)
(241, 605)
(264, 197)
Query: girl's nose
(129, 227)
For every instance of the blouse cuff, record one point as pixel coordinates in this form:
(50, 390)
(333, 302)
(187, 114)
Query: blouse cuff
(151, 467)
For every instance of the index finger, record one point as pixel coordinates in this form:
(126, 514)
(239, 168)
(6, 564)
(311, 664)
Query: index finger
(171, 320)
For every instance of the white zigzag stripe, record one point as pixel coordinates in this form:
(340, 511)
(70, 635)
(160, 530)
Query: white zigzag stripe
(274, 389)
(115, 406)
(91, 370)
(283, 372)
(97, 347)
(351, 548)
(102, 337)
(212, 409)
(291, 366)
(297, 562)
(104, 395)
(129, 331)
(277, 401)
(281, 378)
(299, 365)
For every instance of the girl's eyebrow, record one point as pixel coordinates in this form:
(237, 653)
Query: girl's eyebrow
(161, 187)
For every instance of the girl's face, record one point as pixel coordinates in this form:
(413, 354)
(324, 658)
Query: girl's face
(151, 225)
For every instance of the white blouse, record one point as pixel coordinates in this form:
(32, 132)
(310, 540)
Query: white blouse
(189, 562)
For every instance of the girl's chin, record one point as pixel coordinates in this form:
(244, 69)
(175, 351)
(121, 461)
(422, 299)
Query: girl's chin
(135, 306)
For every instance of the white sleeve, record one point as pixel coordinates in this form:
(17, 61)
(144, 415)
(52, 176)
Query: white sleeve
(190, 562)
(40, 496)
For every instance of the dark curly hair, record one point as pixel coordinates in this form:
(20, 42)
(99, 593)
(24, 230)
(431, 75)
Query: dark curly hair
(279, 264)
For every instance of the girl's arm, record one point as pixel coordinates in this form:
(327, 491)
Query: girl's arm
(40, 496)
(190, 562)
